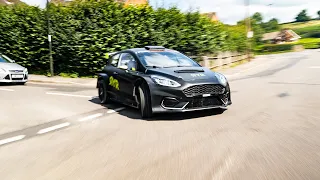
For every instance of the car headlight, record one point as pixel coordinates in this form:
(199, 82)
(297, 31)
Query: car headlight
(165, 81)
(25, 70)
(2, 70)
(222, 79)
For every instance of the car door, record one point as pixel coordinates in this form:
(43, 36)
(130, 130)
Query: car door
(127, 68)
(113, 78)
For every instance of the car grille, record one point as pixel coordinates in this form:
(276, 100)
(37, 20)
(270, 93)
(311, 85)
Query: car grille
(198, 90)
(203, 102)
(17, 79)
(16, 71)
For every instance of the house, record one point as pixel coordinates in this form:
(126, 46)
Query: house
(212, 16)
(135, 2)
(285, 35)
(9, 2)
(126, 2)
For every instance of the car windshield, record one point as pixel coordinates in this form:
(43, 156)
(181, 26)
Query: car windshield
(166, 59)
(5, 59)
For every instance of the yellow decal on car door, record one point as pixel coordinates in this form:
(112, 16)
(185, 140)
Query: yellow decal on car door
(114, 83)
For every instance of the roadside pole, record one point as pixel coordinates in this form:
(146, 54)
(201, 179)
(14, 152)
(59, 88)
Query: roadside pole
(249, 32)
(49, 41)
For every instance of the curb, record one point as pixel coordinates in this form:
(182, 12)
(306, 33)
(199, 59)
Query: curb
(59, 82)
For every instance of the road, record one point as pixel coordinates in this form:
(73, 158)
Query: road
(271, 131)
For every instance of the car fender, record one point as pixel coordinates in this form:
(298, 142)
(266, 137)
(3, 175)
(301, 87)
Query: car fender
(139, 81)
(103, 76)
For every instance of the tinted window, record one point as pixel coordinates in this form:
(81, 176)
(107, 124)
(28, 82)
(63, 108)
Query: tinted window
(128, 61)
(5, 59)
(165, 59)
(115, 60)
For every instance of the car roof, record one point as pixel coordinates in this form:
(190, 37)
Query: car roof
(135, 50)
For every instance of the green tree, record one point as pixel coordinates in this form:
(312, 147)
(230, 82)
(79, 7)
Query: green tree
(272, 25)
(318, 14)
(257, 17)
(303, 16)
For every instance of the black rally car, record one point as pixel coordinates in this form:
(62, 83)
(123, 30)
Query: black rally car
(155, 80)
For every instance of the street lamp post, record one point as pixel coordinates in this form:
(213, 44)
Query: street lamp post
(248, 29)
(49, 41)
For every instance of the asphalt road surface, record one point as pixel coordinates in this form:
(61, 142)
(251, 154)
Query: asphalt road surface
(51, 132)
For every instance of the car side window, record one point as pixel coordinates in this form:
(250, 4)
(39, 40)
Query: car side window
(127, 62)
(115, 60)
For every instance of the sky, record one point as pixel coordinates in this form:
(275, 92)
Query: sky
(231, 11)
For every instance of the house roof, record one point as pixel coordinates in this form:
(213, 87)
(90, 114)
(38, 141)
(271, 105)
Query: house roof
(270, 36)
(293, 34)
(211, 15)
(277, 34)
(135, 2)
(9, 2)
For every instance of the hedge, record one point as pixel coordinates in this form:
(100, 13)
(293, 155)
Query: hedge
(273, 48)
(309, 32)
(84, 31)
(309, 43)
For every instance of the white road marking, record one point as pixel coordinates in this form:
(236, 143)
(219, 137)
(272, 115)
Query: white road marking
(62, 83)
(91, 117)
(4, 89)
(71, 95)
(314, 67)
(115, 110)
(52, 128)
(12, 139)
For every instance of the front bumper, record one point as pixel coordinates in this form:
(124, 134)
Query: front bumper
(9, 77)
(166, 99)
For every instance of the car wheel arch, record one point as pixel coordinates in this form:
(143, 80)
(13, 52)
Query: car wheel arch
(102, 76)
(137, 83)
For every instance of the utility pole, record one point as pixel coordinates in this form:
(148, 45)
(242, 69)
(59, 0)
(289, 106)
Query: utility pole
(49, 40)
(249, 32)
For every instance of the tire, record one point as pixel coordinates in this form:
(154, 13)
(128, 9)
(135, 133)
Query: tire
(21, 83)
(144, 101)
(102, 92)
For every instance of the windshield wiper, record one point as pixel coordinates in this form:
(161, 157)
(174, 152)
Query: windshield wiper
(177, 66)
(154, 66)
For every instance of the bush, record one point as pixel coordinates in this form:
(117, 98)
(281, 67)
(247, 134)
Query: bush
(84, 31)
(309, 32)
(309, 43)
(273, 48)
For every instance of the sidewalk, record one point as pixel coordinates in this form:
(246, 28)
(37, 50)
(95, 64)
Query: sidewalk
(93, 81)
(62, 80)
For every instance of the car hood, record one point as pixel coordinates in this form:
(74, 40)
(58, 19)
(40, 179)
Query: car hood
(11, 66)
(188, 74)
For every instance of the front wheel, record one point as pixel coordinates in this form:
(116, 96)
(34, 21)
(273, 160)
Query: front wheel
(21, 83)
(145, 101)
(102, 92)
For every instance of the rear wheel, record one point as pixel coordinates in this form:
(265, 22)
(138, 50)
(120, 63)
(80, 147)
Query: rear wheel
(144, 101)
(102, 92)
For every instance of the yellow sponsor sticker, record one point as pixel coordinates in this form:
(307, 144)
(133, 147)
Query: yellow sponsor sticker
(114, 83)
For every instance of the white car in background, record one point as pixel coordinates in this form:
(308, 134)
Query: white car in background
(11, 72)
